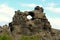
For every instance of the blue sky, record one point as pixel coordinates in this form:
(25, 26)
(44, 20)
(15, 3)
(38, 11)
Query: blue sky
(51, 8)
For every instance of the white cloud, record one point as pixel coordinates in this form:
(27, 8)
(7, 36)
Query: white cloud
(51, 4)
(52, 7)
(4, 18)
(6, 9)
(6, 13)
(29, 5)
(55, 22)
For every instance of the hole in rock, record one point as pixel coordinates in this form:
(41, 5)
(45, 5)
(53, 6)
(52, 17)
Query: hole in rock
(30, 15)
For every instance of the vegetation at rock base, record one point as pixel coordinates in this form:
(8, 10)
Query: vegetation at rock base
(5, 37)
(29, 38)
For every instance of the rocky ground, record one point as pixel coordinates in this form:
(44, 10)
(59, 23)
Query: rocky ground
(36, 28)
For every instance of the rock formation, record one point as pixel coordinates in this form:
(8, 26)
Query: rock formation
(38, 24)
(30, 26)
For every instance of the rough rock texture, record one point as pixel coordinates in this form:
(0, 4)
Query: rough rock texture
(37, 25)
(30, 26)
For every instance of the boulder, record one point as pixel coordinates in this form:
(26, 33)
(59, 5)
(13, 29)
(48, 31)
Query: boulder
(30, 26)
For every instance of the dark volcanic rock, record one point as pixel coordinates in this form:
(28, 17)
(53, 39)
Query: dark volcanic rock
(37, 25)
(31, 26)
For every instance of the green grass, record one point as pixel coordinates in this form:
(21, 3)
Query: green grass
(30, 38)
(5, 37)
